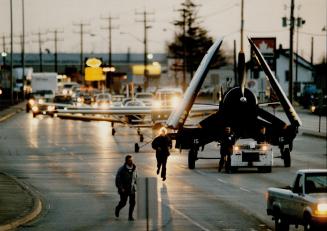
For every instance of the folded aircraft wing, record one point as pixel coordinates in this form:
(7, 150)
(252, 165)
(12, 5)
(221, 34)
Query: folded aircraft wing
(287, 106)
(178, 117)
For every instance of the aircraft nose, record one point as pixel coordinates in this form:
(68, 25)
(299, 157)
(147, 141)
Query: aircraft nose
(243, 99)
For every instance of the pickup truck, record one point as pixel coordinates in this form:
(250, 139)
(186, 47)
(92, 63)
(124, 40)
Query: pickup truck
(304, 203)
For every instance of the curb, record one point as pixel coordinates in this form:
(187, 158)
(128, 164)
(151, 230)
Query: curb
(316, 135)
(36, 210)
(10, 114)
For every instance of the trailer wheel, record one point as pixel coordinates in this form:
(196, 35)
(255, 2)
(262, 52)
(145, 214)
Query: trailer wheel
(308, 225)
(191, 159)
(287, 157)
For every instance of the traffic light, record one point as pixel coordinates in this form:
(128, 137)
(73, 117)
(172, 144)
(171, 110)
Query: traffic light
(284, 21)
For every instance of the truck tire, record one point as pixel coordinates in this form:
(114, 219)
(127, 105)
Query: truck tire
(191, 159)
(287, 157)
(308, 225)
(281, 224)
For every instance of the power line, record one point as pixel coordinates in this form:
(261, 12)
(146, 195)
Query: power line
(81, 32)
(145, 21)
(40, 41)
(109, 28)
(55, 39)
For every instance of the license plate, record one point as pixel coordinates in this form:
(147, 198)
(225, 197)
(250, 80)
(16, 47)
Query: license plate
(250, 157)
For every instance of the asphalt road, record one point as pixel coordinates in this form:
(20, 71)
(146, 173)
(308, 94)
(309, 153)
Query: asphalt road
(72, 164)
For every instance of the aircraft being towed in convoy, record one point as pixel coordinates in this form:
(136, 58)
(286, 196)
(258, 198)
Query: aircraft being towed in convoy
(238, 109)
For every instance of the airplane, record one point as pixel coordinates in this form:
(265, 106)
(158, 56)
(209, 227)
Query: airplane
(135, 114)
(238, 109)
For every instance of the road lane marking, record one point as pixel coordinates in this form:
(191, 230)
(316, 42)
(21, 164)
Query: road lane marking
(244, 189)
(222, 181)
(186, 217)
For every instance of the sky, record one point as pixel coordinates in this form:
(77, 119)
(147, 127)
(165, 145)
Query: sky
(221, 18)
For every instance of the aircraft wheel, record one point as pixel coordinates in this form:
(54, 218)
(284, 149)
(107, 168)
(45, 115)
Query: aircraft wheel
(141, 138)
(113, 131)
(287, 157)
(34, 115)
(27, 109)
(191, 159)
(136, 147)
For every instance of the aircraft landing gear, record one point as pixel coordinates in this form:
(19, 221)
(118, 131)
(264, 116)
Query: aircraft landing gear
(286, 156)
(192, 157)
(136, 147)
(141, 138)
(113, 131)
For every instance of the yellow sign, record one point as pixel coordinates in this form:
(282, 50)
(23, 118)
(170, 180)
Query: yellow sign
(93, 62)
(94, 74)
(152, 69)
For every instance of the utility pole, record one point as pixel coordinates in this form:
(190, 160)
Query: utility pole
(311, 58)
(146, 27)
(4, 53)
(184, 49)
(290, 74)
(109, 28)
(55, 39)
(11, 55)
(299, 23)
(81, 32)
(40, 41)
(23, 46)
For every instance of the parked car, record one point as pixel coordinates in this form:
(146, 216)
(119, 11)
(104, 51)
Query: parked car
(319, 106)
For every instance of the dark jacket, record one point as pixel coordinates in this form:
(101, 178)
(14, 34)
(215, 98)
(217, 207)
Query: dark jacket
(126, 179)
(227, 143)
(162, 144)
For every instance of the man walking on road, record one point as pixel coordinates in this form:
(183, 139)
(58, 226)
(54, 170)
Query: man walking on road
(226, 149)
(162, 144)
(126, 183)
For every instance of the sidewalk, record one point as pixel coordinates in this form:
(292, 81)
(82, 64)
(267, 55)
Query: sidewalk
(18, 203)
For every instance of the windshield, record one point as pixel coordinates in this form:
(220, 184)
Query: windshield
(316, 183)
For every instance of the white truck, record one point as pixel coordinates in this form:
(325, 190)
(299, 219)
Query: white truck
(303, 203)
(247, 153)
(44, 81)
(44, 86)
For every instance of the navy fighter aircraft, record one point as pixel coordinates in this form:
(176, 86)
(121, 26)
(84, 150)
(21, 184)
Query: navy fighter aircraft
(238, 109)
